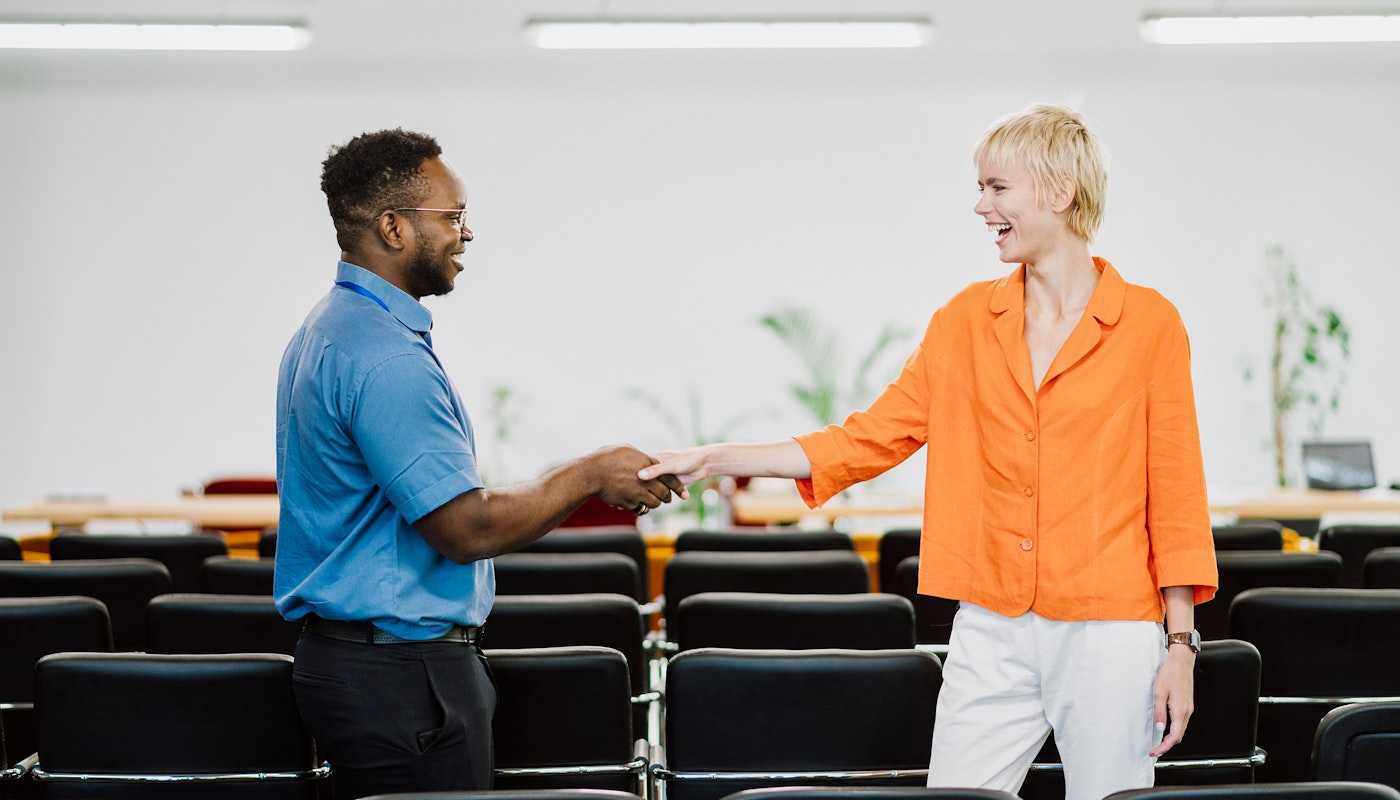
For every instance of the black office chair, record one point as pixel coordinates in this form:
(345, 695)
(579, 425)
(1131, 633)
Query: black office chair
(762, 541)
(218, 623)
(895, 546)
(1359, 742)
(10, 549)
(565, 707)
(1322, 648)
(1272, 791)
(806, 717)
(507, 794)
(224, 575)
(869, 793)
(624, 541)
(749, 621)
(1242, 571)
(1219, 747)
(1353, 543)
(182, 554)
(933, 616)
(567, 573)
(1254, 535)
(267, 543)
(123, 585)
(137, 725)
(31, 628)
(1382, 569)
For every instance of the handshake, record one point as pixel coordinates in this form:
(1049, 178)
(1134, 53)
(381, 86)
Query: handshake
(618, 476)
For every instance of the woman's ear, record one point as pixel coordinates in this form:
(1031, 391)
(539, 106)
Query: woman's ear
(1062, 198)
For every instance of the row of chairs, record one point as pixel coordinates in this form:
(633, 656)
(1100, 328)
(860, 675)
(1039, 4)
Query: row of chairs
(1333, 790)
(736, 719)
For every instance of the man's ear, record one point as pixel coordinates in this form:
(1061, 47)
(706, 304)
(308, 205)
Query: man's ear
(389, 228)
(1062, 198)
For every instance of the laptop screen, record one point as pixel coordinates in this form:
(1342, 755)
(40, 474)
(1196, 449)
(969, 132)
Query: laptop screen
(1338, 465)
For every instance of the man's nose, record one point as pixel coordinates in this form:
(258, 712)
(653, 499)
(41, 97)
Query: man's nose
(467, 234)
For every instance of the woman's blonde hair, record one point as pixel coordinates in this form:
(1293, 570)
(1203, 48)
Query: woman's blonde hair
(1055, 147)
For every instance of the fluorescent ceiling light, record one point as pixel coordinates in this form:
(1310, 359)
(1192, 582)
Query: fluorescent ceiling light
(159, 36)
(1270, 30)
(725, 34)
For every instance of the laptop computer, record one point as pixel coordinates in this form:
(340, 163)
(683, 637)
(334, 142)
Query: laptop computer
(1344, 466)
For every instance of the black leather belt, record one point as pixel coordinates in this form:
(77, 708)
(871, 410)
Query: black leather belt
(367, 633)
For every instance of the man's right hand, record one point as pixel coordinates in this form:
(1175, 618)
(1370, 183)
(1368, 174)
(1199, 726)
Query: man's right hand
(615, 472)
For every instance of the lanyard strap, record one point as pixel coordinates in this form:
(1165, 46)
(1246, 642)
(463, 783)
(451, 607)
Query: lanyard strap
(358, 289)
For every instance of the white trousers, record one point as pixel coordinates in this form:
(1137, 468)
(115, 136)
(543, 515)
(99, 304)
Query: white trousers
(1008, 682)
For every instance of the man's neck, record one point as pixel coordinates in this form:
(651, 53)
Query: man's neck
(393, 276)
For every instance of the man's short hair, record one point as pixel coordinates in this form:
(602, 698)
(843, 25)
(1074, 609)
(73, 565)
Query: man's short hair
(1054, 146)
(371, 173)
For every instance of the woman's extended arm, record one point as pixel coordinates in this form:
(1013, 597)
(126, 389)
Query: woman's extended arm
(783, 459)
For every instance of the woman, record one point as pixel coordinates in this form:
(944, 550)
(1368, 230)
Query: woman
(1065, 501)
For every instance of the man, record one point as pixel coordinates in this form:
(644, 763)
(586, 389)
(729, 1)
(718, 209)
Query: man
(386, 532)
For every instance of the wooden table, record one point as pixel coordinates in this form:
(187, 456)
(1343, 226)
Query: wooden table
(225, 511)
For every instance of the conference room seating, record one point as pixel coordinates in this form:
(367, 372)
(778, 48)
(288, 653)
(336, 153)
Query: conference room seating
(762, 541)
(749, 621)
(809, 572)
(224, 575)
(895, 546)
(509, 794)
(869, 793)
(1220, 744)
(1244, 570)
(218, 623)
(1382, 569)
(567, 573)
(124, 585)
(812, 717)
(565, 707)
(182, 554)
(1359, 742)
(10, 549)
(933, 616)
(267, 543)
(31, 628)
(1321, 648)
(1274, 791)
(1251, 535)
(137, 718)
(1353, 543)
(623, 540)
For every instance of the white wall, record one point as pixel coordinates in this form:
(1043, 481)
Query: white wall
(635, 214)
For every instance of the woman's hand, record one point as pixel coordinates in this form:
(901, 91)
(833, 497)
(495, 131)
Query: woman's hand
(689, 465)
(1174, 693)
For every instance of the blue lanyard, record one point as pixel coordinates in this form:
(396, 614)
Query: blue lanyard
(358, 289)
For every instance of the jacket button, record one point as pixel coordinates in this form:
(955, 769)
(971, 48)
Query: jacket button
(1027, 544)
(1030, 436)
(1029, 491)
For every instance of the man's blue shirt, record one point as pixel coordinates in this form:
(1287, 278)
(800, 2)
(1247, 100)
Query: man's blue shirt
(371, 436)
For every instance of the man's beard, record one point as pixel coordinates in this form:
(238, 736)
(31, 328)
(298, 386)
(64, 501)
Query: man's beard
(426, 275)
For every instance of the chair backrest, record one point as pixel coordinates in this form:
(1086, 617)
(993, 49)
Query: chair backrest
(511, 794)
(813, 572)
(624, 541)
(563, 706)
(567, 573)
(1271, 791)
(136, 714)
(570, 620)
(218, 623)
(1321, 648)
(267, 543)
(895, 546)
(182, 554)
(869, 793)
(933, 616)
(224, 575)
(1252, 535)
(1353, 543)
(10, 549)
(33, 627)
(1382, 569)
(749, 621)
(750, 541)
(1245, 570)
(1359, 742)
(123, 585)
(746, 711)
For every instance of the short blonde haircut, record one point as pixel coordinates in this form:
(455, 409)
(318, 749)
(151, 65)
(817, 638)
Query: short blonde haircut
(1055, 147)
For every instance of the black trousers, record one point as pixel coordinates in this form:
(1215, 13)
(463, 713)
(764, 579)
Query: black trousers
(397, 717)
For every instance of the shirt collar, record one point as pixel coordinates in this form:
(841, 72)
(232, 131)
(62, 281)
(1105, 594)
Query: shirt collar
(1106, 304)
(413, 314)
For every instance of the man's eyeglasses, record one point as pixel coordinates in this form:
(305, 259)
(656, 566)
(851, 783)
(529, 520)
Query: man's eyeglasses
(458, 218)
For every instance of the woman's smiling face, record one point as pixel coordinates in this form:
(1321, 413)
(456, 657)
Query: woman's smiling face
(1022, 227)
